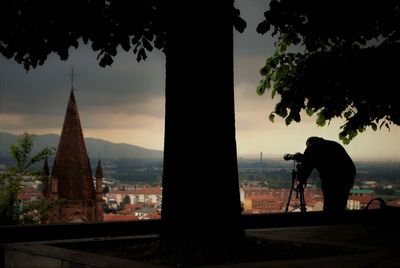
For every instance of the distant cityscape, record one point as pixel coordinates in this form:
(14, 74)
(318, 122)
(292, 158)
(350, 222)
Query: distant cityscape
(264, 188)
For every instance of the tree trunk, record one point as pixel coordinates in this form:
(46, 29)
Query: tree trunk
(201, 200)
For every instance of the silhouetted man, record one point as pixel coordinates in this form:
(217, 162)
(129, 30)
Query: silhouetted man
(336, 171)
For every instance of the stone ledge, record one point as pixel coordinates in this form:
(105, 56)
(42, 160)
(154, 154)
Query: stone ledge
(39, 255)
(15, 253)
(21, 233)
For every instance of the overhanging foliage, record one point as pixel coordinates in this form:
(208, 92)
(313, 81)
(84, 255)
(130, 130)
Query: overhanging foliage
(345, 67)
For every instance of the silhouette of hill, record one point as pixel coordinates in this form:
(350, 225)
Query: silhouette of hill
(95, 147)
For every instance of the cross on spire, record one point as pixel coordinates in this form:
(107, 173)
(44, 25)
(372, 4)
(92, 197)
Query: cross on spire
(72, 75)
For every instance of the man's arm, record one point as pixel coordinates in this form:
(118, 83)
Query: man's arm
(306, 167)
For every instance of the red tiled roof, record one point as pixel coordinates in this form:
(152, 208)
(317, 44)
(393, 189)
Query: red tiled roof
(260, 197)
(150, 216)
(23, 196)
(125, 211)
(119, 217)
(364, 199)
(28, 192)
(144, 191)
(395, 203)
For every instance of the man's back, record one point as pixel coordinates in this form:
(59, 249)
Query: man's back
(329, 158)
(336, 171)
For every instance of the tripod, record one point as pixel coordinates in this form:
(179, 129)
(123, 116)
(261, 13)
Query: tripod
(299, 189)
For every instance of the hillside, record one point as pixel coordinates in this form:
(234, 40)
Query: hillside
(95, 147)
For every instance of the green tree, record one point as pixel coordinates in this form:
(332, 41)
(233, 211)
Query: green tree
(106, 189)
(126, 200)
(12, 210)
(200, 164)
(334, 59)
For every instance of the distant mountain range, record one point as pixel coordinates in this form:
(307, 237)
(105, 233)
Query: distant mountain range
(95, 147)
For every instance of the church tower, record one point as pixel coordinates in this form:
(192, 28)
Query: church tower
(71, 180)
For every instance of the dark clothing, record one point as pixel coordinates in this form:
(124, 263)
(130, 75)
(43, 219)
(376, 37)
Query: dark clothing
(336, 171)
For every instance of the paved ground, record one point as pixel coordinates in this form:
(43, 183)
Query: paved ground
(371, 245)
(375, 245)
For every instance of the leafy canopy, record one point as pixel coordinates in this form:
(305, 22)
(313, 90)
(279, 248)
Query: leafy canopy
(334, 59)
(31, 30)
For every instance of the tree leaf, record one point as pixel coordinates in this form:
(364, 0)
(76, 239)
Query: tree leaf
(288, 120)
(271, 117)
(263, 27)
(321, 120)
(147, 45)
(141, 55)
(260, 88)
(310, 111)
(106, 60)
(273, 93)
(239, 24)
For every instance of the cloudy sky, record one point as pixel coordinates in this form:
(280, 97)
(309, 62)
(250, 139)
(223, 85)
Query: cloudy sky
(125, 103)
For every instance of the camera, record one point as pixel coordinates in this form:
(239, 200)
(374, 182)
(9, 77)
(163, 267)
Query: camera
(296, 157)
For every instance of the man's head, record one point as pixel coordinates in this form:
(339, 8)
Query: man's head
(312, 140)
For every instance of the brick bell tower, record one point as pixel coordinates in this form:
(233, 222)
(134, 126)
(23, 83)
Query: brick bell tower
(71, 180)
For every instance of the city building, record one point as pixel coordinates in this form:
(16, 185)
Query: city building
(130, 203)
(257, 200)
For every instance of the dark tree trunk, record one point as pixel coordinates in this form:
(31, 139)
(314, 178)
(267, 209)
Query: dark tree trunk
(201, 199)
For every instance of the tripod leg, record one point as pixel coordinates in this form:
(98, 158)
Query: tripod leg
(288, 202)
(302, 202)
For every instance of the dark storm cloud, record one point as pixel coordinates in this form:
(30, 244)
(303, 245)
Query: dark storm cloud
(45, 90)
(251, 43)
(251, 48)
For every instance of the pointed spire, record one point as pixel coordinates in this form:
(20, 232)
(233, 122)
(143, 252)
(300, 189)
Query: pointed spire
(46, 170)
(71, 165)
(99, 170)
(99, 181)
(72, 75)
(46, 182)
